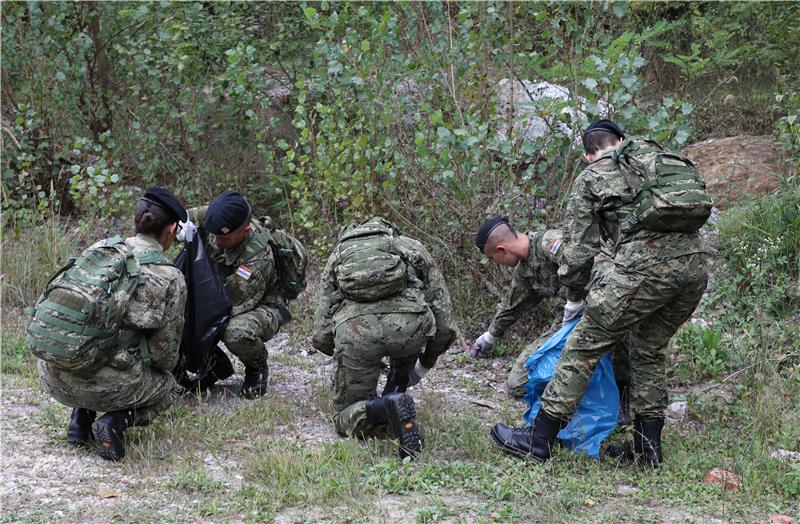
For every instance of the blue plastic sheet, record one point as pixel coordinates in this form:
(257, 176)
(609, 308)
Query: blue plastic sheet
(596, 416)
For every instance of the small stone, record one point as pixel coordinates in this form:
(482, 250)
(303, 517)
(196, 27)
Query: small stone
(624, 491)
(107, 492)
(784, 455)
(678, 410)
(780, 519)
(720, 476)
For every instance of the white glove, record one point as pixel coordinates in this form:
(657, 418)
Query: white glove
(573, 310)
(483, 345)
(417, 374)
(187, 232)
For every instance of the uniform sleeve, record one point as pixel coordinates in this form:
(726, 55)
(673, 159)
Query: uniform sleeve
(581, 237)
(164, 342)
(438, 300)
(251, 284)
(325, 300)
(520, 297)
(197, 215)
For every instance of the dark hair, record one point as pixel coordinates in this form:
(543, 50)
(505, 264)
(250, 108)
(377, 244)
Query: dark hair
(150, 218)
(597, 139)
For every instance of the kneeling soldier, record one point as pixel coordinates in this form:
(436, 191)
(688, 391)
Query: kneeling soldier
(108, 327)
(380, 295)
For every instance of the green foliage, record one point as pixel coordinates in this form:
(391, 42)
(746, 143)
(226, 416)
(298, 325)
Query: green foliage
(328, 112)
(788, 126)
(762, 242)
(703, 348)
(33, 252)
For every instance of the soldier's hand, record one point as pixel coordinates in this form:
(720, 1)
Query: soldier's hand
(573, 310)
(417, 374)
(187, 231)
(483, 346)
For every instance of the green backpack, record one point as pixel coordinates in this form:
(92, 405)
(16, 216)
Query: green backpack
(291, 260)
(370, 266)
(76, 324)
(670, 196)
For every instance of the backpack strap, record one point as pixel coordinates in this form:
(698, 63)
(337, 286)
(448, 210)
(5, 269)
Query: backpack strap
(129, 338)
(152, 257)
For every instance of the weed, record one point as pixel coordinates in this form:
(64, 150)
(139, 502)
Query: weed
(702, 347)
(14, 358)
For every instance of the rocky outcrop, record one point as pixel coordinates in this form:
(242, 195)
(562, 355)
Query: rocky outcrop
(737, 167)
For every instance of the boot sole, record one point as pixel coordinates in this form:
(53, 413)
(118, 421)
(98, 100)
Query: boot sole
(105, 443)
(402, 419)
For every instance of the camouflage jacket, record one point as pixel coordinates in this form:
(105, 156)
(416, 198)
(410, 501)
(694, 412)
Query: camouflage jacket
(598, 203)
(248, 270)
(155, 310)
(535, 279)
(426, 291)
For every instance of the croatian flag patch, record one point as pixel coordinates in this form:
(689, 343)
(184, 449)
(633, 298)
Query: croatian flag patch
(244, 272)
(554, 245)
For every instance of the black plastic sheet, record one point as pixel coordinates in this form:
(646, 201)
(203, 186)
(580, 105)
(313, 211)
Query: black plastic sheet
(208, 309)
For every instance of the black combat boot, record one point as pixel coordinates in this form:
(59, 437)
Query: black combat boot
(647, 441)
(624, 414)
(109, 432)
(79, 431)
(646, 448)
(255, 380)
(401, 414)
(396, 382)
(219, 367)
(376, 412)
(534, 442)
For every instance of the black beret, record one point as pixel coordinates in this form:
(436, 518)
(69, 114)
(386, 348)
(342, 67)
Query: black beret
(486, 230)
(227, 212)
(605, 125)
(164, 199)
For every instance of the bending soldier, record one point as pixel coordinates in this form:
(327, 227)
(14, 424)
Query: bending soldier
(129, 376)
(535, 258)
(380, 295)
(657, 279)
(239, 248)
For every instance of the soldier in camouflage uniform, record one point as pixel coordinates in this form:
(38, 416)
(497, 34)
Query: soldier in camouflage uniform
(410, 324)
(535, 258)
(130, 391)
(239, 248)
(656, 282)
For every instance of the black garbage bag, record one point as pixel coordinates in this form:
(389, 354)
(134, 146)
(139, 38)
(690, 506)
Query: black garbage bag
(208, 309)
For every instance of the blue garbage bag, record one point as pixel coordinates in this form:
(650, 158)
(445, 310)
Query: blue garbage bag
(596, 416)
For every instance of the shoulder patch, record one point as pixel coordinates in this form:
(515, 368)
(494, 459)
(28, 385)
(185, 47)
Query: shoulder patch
(553, 245)
(244, 272)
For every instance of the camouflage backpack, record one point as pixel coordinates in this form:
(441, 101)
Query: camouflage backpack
(670, 196)
(370, 266)
(76, 324)
(291, 260)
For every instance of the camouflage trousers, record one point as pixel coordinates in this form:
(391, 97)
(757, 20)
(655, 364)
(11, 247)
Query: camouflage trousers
(518, 376)
(145, 390)
(647, 305)
(247, 332)
(360, 344)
